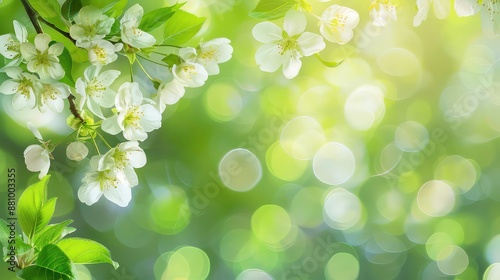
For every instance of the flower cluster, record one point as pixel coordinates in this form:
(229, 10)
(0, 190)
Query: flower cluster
(100, 100)
(286, 46)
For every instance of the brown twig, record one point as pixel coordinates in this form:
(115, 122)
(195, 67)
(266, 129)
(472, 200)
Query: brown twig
(33, 16)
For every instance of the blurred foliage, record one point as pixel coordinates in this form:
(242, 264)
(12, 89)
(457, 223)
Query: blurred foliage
(396, 180)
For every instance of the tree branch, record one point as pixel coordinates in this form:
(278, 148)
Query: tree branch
(72, 107)
(32, 15)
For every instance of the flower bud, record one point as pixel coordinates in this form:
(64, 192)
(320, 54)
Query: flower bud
(77, 151)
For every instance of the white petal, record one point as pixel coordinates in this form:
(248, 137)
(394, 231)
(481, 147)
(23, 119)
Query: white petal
(267, 32)
(56, 49)
(37, 159)
(106, 78)
(42, 42)
(268, 58)
(441, 8)
(465, 8)
(291, 66)
(295, 23)
(151, 119)
(21, 32)
(90, 193)
(310, 43)
(121, 195)
(110, 125)
(171, 92)
(95, 108)
(188, 54)
(134, 133)
(423, 10)
(34, 131)
(9, 87)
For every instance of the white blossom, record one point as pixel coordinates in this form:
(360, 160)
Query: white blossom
(43, 59)
(130, 32)
(37, 157)
(490, 13)
(441, 10)
(123, 159)
(132, 117)
(381, 11)
(94, 89)
(90, 25)
(10, 46)
(97, 183)
(337, 24)
(102, 52)
(285, 47)
(52, 95)
(169, 93)
(213, 53)
(22, 85)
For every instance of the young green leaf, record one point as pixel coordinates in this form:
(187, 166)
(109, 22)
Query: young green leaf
(112, 8)
(21, 246)
(331, 64)
(71, 8)
(4, 233)
(29, 205)
(51, 234)
(67, 64)
(171, 59)
(156, 18)
(51, 263)
(85, 251)
(272, 9)
(181, 27)
(50, 10)
(35, 272)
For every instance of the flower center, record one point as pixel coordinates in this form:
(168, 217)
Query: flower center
(100, 53)
(95, 89)
(106, 181)
(133, 117)
(338, 23)
(210, 54)
(24, 87)
(286, 45)
(42, 59)
(121, 159)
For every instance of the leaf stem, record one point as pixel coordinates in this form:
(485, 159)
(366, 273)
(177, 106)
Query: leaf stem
(104, 140)
(64, 139)
(152, 61)
(143, 69)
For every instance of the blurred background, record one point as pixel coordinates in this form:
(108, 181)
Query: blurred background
(385, 167)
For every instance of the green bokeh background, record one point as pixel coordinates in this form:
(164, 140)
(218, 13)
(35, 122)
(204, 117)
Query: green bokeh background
(425, 75)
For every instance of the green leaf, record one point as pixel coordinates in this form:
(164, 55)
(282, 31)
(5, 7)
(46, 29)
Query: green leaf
(35, 272)
(272, 9)
(112, 8)
(50, 10)
(4, 233)
(51, 263)
(51, 234)
(30, 203)
(66, 62)
(156, 18)
(171, 59)
(71, 8)
(21, 246)
(181, 27)
(85, 251)
(331, 64)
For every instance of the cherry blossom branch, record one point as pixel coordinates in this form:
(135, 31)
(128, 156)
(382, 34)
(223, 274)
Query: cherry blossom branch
(72, 107)
(33, 16)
